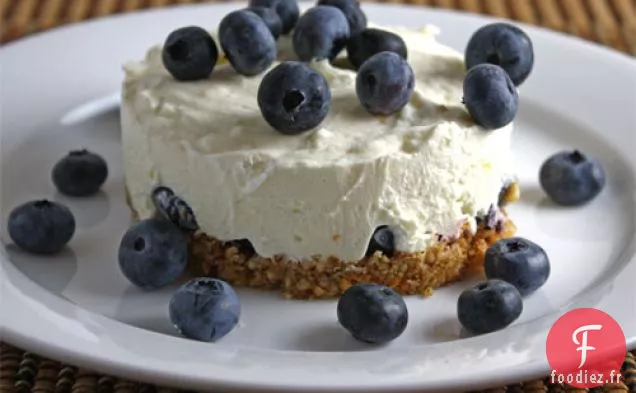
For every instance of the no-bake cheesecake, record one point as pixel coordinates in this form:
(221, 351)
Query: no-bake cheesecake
(410, 200)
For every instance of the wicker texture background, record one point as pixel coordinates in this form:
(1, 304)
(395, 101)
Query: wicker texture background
(608, 22)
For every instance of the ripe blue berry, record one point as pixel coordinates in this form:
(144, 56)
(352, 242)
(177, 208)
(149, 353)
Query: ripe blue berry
(504, 45)
(294, 98)
(321, 33)
(173, 208)
(490, 96)
(287, 11)
(383, 241)
(518, 261)
(80, 173)
(41, 227)
(271, 19)
(153, 253)
(489, 306)
(372, 41)
(571, 178)
(247, 42)
(205, 309)
(189, 53)
(385, 83)
(351, 9)
(244, 246)
(372, 313)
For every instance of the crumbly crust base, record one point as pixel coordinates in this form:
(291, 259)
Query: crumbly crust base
(416, 273)
(408, 273)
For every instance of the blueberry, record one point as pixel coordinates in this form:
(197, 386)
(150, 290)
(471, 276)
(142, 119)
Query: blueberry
(41, 227)
(571, 178)
(189, 53)
(490, 96)
(504, 45)
(519, 262)
(153, 253)
(293, 98)
(351, 9)
(321, 33)
(247, 42)
(244, 246)
(489, 306)
(205, 309)
(382, 240)
(493, 219)
(80, 173)
(174, 208)
(271, 19)
(372, 41)
(385, 83)
(287, 11)
(372, 313)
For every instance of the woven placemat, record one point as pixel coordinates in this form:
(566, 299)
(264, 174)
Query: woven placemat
(608, 22)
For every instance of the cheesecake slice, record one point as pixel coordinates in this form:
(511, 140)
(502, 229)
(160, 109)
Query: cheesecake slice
(411, 200)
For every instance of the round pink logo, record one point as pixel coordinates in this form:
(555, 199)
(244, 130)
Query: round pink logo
(585, 349)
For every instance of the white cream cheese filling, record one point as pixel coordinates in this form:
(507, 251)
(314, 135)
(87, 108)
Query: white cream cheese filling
(423, 171)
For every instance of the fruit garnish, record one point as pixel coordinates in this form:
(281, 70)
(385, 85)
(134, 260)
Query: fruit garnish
(205, 309)
(80, 173)
(504, 45)
(372, 313)
(153, 253)
(294, 98)
(385, 83)
(571, 178)
(41, 226)
(321, 33)
(490, 96)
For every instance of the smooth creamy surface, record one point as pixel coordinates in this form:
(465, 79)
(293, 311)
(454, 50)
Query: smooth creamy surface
(423, 171)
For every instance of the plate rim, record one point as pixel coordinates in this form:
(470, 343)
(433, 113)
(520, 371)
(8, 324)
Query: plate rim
(57, 351)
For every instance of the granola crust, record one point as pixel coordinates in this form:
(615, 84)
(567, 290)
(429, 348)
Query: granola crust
(408, 273)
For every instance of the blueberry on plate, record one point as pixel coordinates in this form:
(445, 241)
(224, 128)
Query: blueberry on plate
(351, 9)
(385, 83)
(571, 178)
(382, 240)
(321, 33)
(205, 309)
(41, 227)
(519, 262)
(489, 306)
(287, 11)
(153, 253)
(189, 53)
(504, 45)
(293, 98)
(490, 96)
(271, 19)
(174, 209)
(372, 41)
(372, 313)
(80, 173)
(247, 42)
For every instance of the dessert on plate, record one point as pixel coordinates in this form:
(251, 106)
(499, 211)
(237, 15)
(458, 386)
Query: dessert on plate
(312, 158)
(323, 157)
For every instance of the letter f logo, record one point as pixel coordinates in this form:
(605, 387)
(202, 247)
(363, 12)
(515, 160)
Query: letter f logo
(583, 343)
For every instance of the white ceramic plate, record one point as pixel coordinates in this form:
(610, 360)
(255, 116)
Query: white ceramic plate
(59, 91)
